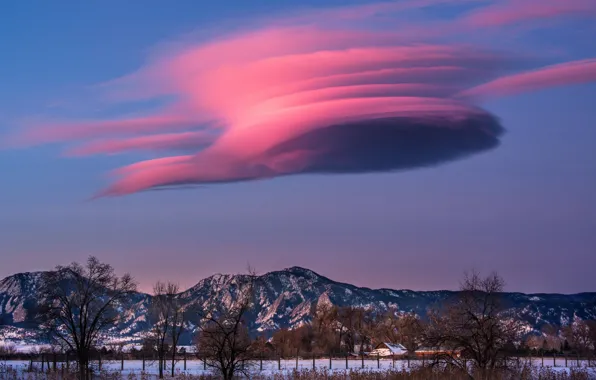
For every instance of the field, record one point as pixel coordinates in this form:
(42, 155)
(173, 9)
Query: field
(133, 369)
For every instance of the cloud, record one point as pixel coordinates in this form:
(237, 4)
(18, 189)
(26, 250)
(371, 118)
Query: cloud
(81, 130)
(387, 143)
(148, 164)
(292, 99)
(187, 141)
(508, 12)
(568, 73)
(420, 137)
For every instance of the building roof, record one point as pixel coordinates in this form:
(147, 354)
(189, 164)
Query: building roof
(394, 348)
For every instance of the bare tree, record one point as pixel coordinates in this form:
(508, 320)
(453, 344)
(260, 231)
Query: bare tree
(475, 325)
(364, 327)
(406, 329)
(261, 347)
(387, 327)
(552, 341)
(224, 342)
(284, 342)
(288, 342)
(166, 311)
(578, 334)
(351, 325)
(81, 302)
(179, 317)
(324, 328)
(345, 321)
(409, 331)
(535, 342)
(592, 333)
(8, 350)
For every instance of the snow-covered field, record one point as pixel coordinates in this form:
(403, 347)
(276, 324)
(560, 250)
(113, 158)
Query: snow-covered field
(196, 367)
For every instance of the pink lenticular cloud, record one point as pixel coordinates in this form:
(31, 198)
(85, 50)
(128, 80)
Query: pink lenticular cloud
(192, 141)
(286, 100)
(148, 164)
(514, 11)
(267, 92)
(576, 72)
(72, 131)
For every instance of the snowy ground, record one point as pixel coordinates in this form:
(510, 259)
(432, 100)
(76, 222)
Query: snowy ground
(195, 367)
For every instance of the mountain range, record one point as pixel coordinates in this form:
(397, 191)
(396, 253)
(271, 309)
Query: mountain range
(284, 298)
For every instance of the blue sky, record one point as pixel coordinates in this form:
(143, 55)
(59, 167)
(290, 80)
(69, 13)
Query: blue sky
(526, 209)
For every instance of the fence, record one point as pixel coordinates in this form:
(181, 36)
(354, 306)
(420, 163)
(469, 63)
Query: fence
(191, 364)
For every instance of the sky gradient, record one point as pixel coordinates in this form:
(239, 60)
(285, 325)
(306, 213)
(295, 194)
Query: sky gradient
(387, 144)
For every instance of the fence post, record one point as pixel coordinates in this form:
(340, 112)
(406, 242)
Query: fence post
(578, 359)
(185, 361)
(42, 362)
(313, 361)
(261, 363)
(31, 364)
(378, 361)
(408, 361)
(54, 363)
(67, 363)
(204, 364)
(279, 362)
(347, 353)
(122, 362)
(143, 358)
(554, 359)
(542, 359)
(297, 354)
(330, 366)
(362, 356)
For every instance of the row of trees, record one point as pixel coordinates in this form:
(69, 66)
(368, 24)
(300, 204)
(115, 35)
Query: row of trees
(472, 331)
(579, 336)
(471, 328)
(349, 329)
(82, 302)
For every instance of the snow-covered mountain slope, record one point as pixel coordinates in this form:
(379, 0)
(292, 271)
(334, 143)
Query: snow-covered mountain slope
(284, 298)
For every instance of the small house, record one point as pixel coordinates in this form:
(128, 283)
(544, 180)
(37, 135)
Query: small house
(388, 349)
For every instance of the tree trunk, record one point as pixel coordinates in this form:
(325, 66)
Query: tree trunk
(173, 359)
(484, 373)
(160, 360)
(83, 361)
(228, 373)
